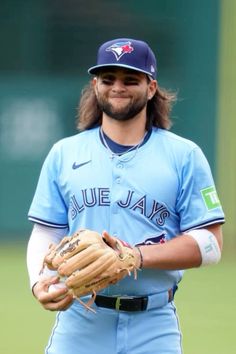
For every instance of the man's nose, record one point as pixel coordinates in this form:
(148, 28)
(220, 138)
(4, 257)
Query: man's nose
(118, 86)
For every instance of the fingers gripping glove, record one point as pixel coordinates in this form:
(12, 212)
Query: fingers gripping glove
(88, 262)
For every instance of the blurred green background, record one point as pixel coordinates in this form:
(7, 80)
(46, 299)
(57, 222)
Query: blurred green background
(46, 48)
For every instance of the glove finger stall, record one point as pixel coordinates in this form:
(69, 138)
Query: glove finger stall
(76, 244)
(85, 275)
(98, 284)
(80, 260)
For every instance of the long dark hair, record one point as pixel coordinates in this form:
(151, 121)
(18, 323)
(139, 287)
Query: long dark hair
(158, 109)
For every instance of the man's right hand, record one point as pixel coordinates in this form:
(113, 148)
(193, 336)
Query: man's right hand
(56, 300)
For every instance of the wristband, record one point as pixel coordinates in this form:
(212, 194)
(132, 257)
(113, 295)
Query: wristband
(141, 258)
(208, 245)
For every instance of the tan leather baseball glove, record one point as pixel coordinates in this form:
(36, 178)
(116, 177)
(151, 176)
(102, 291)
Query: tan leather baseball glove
(88, 262)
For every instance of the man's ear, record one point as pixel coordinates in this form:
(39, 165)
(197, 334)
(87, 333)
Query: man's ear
(152, 89)
(94, 84)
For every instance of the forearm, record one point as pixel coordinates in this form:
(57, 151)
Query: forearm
(182, 252)
(39, 242)
(40, 239)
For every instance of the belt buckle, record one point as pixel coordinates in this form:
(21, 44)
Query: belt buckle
(143, 301)
(118, 299)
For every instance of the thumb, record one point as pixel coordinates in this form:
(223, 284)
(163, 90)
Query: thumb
(109, 240)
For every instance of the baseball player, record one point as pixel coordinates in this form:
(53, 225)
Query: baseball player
(125, 175)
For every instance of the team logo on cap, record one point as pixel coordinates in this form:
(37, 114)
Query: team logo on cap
(120, 48)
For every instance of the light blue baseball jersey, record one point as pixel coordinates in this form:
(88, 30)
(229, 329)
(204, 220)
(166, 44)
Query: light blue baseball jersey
(145, 196)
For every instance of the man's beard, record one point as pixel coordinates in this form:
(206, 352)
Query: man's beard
(126, 113)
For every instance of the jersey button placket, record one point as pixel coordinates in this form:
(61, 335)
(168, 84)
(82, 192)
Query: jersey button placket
(118, 170)
(119, 167)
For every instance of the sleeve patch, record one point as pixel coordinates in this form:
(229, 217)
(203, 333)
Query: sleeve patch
(210, 198)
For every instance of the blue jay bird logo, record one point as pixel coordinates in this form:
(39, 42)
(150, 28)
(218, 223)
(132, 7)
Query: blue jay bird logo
(153, 240)
(120, 48)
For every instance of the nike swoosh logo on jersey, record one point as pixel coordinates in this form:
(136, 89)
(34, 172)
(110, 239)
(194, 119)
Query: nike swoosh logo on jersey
(75, 165)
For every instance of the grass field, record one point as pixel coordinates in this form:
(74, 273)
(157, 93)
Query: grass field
(206, 304)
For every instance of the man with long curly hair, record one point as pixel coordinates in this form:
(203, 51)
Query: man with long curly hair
(126, 173)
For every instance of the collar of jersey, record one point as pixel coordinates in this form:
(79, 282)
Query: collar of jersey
(121, 149)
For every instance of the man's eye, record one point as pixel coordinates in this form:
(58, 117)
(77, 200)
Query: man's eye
(131, 82)
(127, 82)
(107, 81)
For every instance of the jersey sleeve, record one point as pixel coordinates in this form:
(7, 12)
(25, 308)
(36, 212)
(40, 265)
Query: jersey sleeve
(48, 207)
(198, 204)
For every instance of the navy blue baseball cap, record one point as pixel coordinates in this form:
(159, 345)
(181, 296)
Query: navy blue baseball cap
(126, 53)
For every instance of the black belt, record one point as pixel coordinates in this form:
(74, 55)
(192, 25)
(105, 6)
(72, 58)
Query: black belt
(127, 303)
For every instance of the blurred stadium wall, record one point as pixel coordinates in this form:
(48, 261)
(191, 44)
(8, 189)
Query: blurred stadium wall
(46, 48)
(226, 108)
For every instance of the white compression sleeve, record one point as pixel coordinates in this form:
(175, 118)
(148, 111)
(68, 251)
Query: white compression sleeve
(208, 246)
(40, 239)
